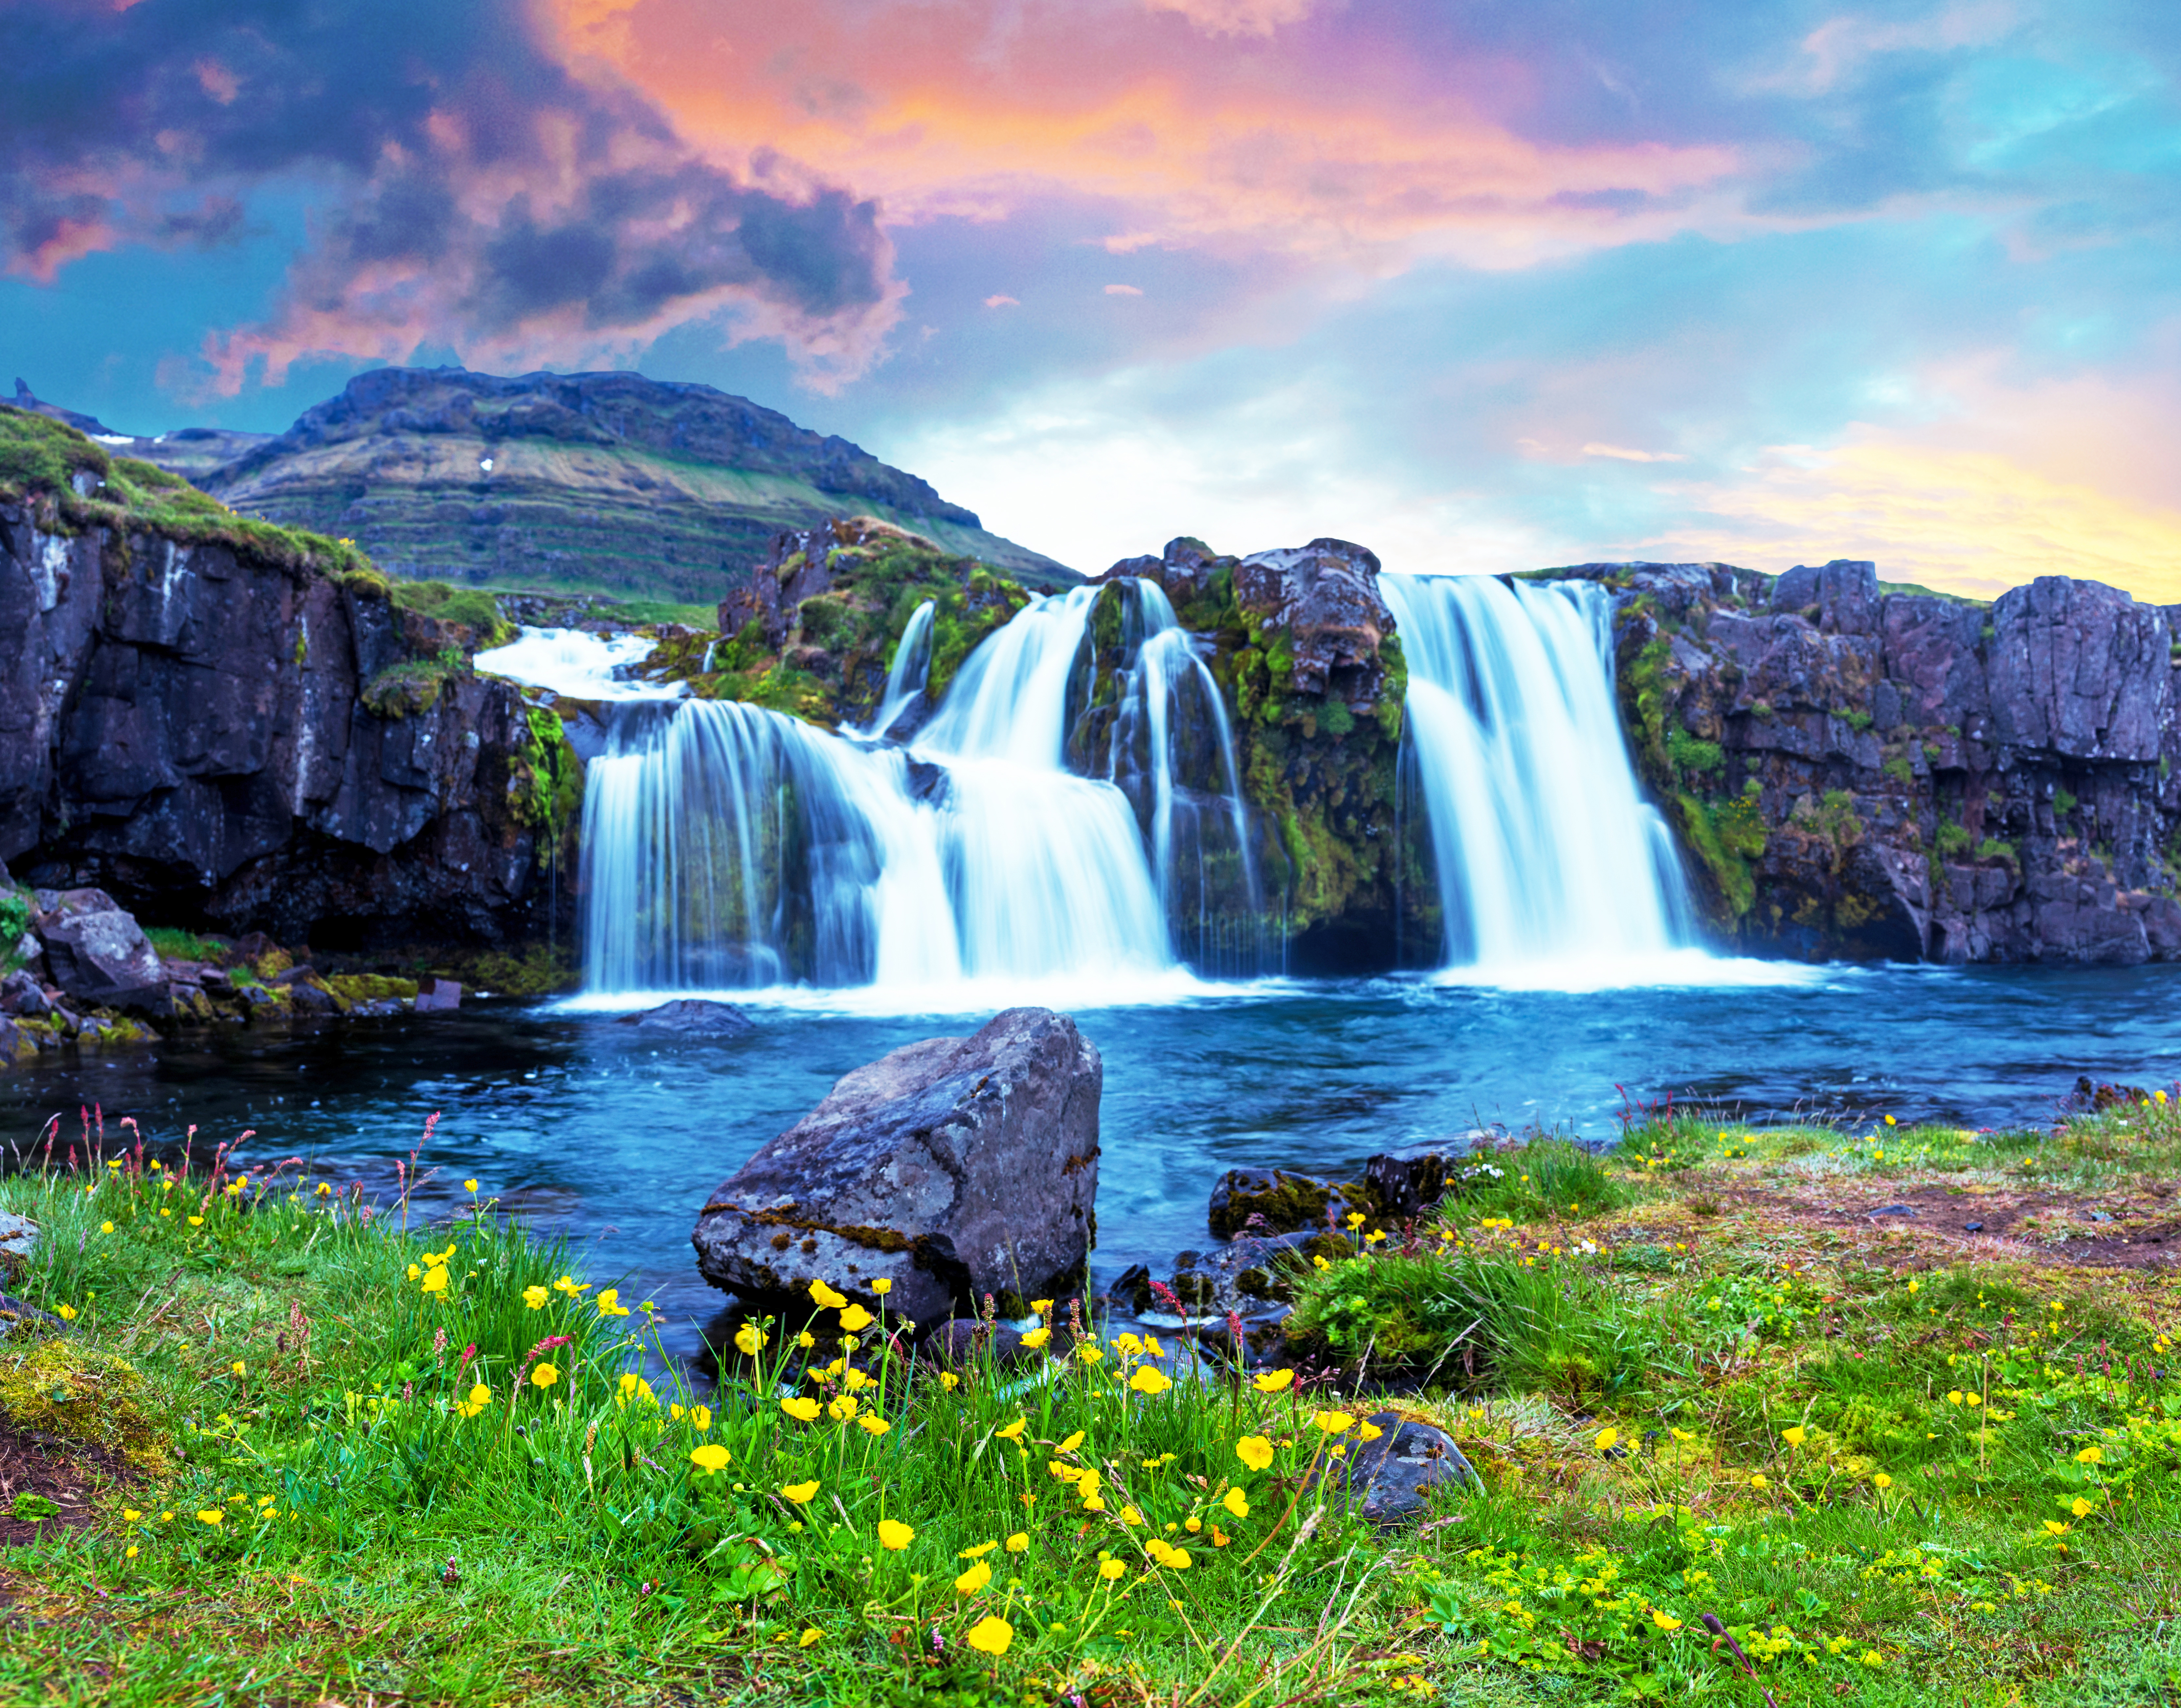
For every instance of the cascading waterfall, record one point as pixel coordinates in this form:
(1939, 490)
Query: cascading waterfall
(725, 846)
(1547, 858)
(911, 672)
(1172, 750)
(728, 846)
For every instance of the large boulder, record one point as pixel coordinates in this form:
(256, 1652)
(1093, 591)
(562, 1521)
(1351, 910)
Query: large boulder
(100, 955)
(952, 1168)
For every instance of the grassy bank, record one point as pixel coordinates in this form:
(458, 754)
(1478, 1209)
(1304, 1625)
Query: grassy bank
(297, 1452)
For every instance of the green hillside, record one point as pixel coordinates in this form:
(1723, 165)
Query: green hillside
(608, 484)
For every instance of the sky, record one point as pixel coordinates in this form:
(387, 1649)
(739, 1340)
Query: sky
(1488, 285)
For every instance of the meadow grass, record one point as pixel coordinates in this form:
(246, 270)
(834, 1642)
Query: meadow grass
(350, 1460)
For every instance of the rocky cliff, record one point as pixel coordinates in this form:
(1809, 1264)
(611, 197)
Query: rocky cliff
(604, 483)
(1861, 771)
(230, 725)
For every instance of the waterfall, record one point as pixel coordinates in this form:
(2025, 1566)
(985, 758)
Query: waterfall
(728, 846)
(1547, 859)
(1172, 750)
(1047, 869)
(911, 671)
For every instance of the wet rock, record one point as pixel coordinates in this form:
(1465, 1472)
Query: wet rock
(1326, 594)
(21, 994)
(100, 955)
(1402, 1183)
(311, 997)
(1252, 1278)
(954, 1167)
(18, 1238)
(2095, 1096)
(1281, 1203)
(21, 1316)
(1396, 1475)
(437, 996)
(692, 1018)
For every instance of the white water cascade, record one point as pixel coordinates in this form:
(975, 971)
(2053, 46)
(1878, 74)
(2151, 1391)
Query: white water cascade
(725, 846)
(911, 672)
(1549, 863)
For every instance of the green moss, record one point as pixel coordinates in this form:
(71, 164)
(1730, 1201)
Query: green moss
(413, 686)
(1953, 838)
(176, 944)
(2062, 802)
(1899, 769)
(465, 607)
(370, 987)
(39, 454)
(1690, 754)
(1726, 836)
(545, 783)
(54, 1385)
(1857, 720)
(1991, 848)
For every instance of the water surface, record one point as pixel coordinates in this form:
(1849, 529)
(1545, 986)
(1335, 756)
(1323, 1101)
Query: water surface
(619, 1136)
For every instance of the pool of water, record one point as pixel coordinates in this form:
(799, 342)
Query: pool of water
(619, 1136)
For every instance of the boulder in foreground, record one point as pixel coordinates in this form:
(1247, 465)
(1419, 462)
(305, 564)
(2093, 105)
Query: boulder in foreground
(952, 1168)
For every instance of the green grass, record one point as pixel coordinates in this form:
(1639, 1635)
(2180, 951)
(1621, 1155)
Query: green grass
(1898, 1470)
(176, 944)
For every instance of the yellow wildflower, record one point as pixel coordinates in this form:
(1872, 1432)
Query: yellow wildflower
(1254, 1451)
(545, 1376)
(535, 1297)
(1148, 1380)
(894, 1535)
(990, 1635)
(750, 1338)
(971, 1581)
(826, 1298)
(803, 1493)
(1273, 1381)
(1333, 1423)
(1237, 1502)
(855, 1319)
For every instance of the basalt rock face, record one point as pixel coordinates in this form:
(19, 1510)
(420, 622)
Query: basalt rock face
(1302, 646)
(1863, 771)
(221, 740)
(952, 1168)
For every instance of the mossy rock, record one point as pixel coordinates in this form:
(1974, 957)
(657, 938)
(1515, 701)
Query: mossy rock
(58, 1386)
(1287, 1203)
(368, 987)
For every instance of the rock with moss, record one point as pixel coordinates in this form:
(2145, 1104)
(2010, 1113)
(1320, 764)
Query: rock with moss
(812, 630)
(226, 723)
(1304, 650)
(1862, 770)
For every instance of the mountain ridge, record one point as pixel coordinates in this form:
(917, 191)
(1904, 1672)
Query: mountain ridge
(607, 483)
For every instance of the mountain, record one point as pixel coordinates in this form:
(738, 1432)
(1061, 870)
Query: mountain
(594, 483)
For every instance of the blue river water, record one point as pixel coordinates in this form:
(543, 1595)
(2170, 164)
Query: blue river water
(618, 1136)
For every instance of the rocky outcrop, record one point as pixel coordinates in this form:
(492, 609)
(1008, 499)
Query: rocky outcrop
(812, 629)
(1860, 771)
(99, 955)
(953, 1167)
(223, 724)
(1304, 650)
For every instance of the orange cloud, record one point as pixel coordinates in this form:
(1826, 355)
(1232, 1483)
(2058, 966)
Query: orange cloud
(977, 108)
(1969, 521)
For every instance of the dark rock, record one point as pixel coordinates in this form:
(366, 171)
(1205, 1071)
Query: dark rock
(202, 732)
(1396, 1475)
(954, 1167)
(2095, 1097)
(21, 994)
(1973, 1227)
(437, 996)
(1401, 1183)
(1283, 1202)
(19, 1240)
(1252, 1278)
(99, 954)
(1326, 594)
(288, 976)
(691, 1017)
(1860, 775)
(311, 997)
(1893, 1210)
(19, 1317)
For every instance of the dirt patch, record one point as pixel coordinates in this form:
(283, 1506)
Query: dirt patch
(38, 1472)
(2026, 1226)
